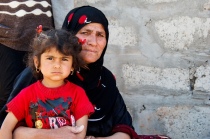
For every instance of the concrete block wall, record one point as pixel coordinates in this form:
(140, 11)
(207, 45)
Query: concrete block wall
(159, 51)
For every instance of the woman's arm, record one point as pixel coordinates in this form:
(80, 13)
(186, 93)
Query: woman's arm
(118, 135)
(34, 133)
(122, 120)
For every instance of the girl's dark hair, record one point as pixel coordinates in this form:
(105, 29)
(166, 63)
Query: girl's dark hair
(64, 41)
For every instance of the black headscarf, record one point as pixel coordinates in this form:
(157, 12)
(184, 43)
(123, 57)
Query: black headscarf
(74, 21)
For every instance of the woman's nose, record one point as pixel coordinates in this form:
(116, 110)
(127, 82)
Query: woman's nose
(92, 40)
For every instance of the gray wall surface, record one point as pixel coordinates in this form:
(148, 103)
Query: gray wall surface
(159, 52)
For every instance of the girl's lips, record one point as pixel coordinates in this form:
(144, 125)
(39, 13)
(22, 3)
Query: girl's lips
(56, 73)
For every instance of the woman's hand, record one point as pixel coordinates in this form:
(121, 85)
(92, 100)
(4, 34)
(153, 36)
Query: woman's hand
(90, 137)
(118, 135)
(33, 133)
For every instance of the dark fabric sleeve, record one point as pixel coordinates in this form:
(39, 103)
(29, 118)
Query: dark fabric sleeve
(123, 120)
(24, 79)
(125, 129)
(120, 113)
(133, 134)
(153, 137)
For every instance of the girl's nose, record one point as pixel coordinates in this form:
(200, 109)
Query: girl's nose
(57, 64)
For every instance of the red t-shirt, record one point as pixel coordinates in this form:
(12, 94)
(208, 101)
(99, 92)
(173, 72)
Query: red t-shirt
(50, 107)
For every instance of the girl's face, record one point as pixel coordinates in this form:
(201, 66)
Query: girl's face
(55, 67)
(95, 43)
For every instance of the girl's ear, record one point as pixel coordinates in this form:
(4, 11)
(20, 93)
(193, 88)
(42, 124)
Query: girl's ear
(36, 61)
(72, 71)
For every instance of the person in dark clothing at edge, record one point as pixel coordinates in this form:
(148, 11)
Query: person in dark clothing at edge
(111, 118)
(18, 21)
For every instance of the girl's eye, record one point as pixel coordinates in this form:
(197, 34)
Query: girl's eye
(50, 58)
(64, 59)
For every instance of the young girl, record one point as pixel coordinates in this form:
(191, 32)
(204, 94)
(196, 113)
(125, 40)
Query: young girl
(52, 101)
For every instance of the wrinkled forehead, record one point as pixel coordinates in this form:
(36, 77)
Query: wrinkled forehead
(94, 27)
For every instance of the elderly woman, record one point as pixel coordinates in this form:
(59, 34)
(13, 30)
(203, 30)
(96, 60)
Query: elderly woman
(111, 118)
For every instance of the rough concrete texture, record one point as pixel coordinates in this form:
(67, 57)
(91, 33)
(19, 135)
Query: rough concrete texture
(202, 82)
(159, 51)
(178, 33)
(175, 78)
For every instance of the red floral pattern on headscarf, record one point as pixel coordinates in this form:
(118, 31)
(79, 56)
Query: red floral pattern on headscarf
(70, 17)
(82, 19)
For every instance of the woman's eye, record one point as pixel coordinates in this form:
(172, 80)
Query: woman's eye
(101, 35)
(84, 33)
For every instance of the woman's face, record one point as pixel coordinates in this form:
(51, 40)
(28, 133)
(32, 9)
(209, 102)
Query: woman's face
(95, 37)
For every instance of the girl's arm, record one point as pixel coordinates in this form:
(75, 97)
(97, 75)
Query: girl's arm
(8, 126)
(82, 121)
